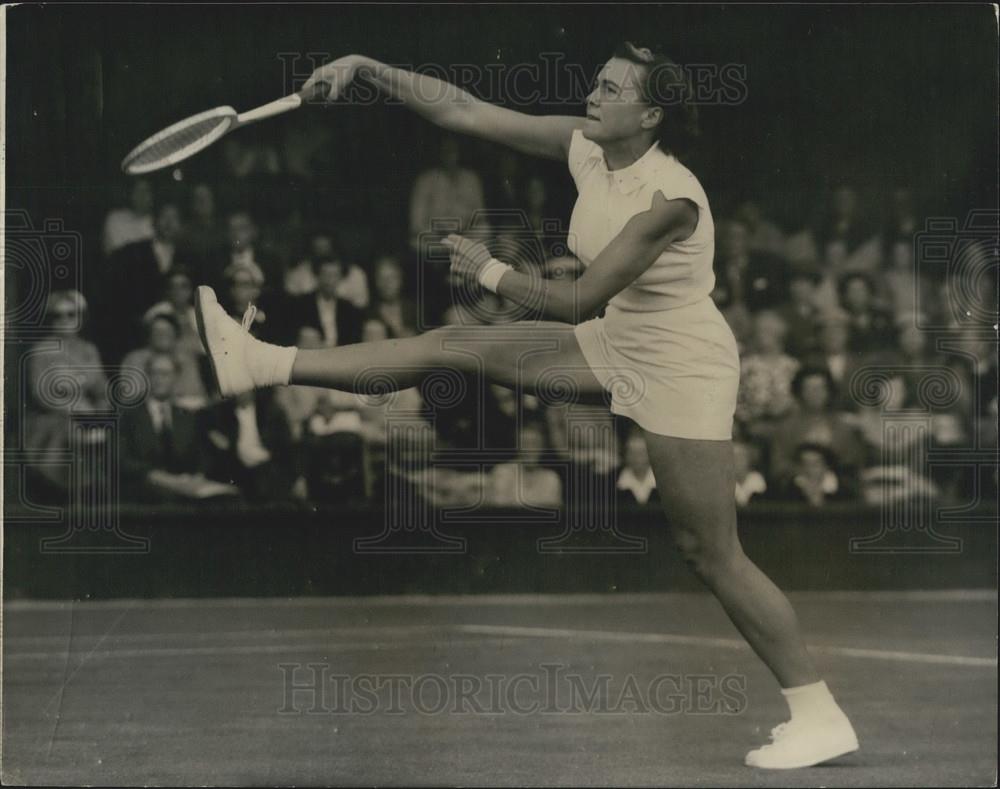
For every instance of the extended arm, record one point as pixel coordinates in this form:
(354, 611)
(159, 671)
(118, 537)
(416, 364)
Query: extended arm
(629, 254)
(454, 109)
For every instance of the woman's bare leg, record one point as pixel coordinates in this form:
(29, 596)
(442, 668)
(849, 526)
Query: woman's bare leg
(695, 482)
(519, 354)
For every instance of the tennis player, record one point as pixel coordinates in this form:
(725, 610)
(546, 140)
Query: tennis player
(643, 228)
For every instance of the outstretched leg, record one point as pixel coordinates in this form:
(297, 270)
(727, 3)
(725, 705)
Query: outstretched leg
(522, 355)
(695, 482)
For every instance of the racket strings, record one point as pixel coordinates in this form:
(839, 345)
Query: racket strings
(177, 142)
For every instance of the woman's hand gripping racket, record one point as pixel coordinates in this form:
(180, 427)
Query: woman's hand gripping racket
(185, 138)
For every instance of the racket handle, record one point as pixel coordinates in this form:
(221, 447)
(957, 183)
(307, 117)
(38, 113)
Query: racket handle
(288, 103)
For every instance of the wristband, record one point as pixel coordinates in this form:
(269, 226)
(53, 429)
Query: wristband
(490, 274)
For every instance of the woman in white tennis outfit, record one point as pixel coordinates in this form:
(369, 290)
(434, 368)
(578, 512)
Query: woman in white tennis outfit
(643, 228)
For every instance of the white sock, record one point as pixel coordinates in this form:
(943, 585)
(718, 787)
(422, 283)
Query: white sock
(809, 700)
(270, 365)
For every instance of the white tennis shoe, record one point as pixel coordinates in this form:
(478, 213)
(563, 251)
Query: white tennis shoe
(226, 343)
(805, 742)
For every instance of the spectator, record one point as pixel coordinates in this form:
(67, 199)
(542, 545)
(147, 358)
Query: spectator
(203, 234)
(133, 223)
(814, 422)
(64, 376)
(765, 393)
(244, 247)
(869, 326)
(406, 405)
(447, 192)
(333, 450)
(894, 468)
(246, 160)
(844, 237)
(298, 402)
(950, 432)
(534, 239)
(591, 444)
(901, 222)
(163, 334)
(763, 235)
(525, 483)
(179, 302)
(338, 321)
(834, 355)
(636, 483)
(814, 480)
(137, 280)
(749, 481)
(252, 445)
(751, 280)
(245, 287)
(800, 312)
(398, 313)
(161, 452)
(300, 279)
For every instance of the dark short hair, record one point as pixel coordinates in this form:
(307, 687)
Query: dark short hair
(666, 85)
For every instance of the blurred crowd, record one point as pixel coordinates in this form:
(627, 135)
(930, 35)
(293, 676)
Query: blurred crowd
(816, 309)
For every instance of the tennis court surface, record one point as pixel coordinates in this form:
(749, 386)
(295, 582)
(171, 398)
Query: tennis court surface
(648, 689)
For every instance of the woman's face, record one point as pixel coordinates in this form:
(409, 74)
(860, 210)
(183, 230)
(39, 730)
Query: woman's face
(615, 107)
(162, 336)
(179, 291)
(65, 317)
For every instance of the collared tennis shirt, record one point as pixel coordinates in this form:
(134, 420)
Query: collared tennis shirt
(608, 199)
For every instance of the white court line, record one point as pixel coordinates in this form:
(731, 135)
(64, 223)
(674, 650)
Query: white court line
(325, 647)
(724, 643)
(372, 631)
(496, 633)
(430, 601)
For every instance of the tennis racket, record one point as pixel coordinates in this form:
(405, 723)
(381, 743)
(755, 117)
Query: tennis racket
(185, 138)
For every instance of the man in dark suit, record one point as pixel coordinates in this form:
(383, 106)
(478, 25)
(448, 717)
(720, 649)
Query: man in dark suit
(339, 322)
(159, 441)
(252, 446)
(136, 280)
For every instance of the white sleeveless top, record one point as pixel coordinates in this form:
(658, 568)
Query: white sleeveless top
(608, 199)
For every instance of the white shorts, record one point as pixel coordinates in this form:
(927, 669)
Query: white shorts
(674, 372)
